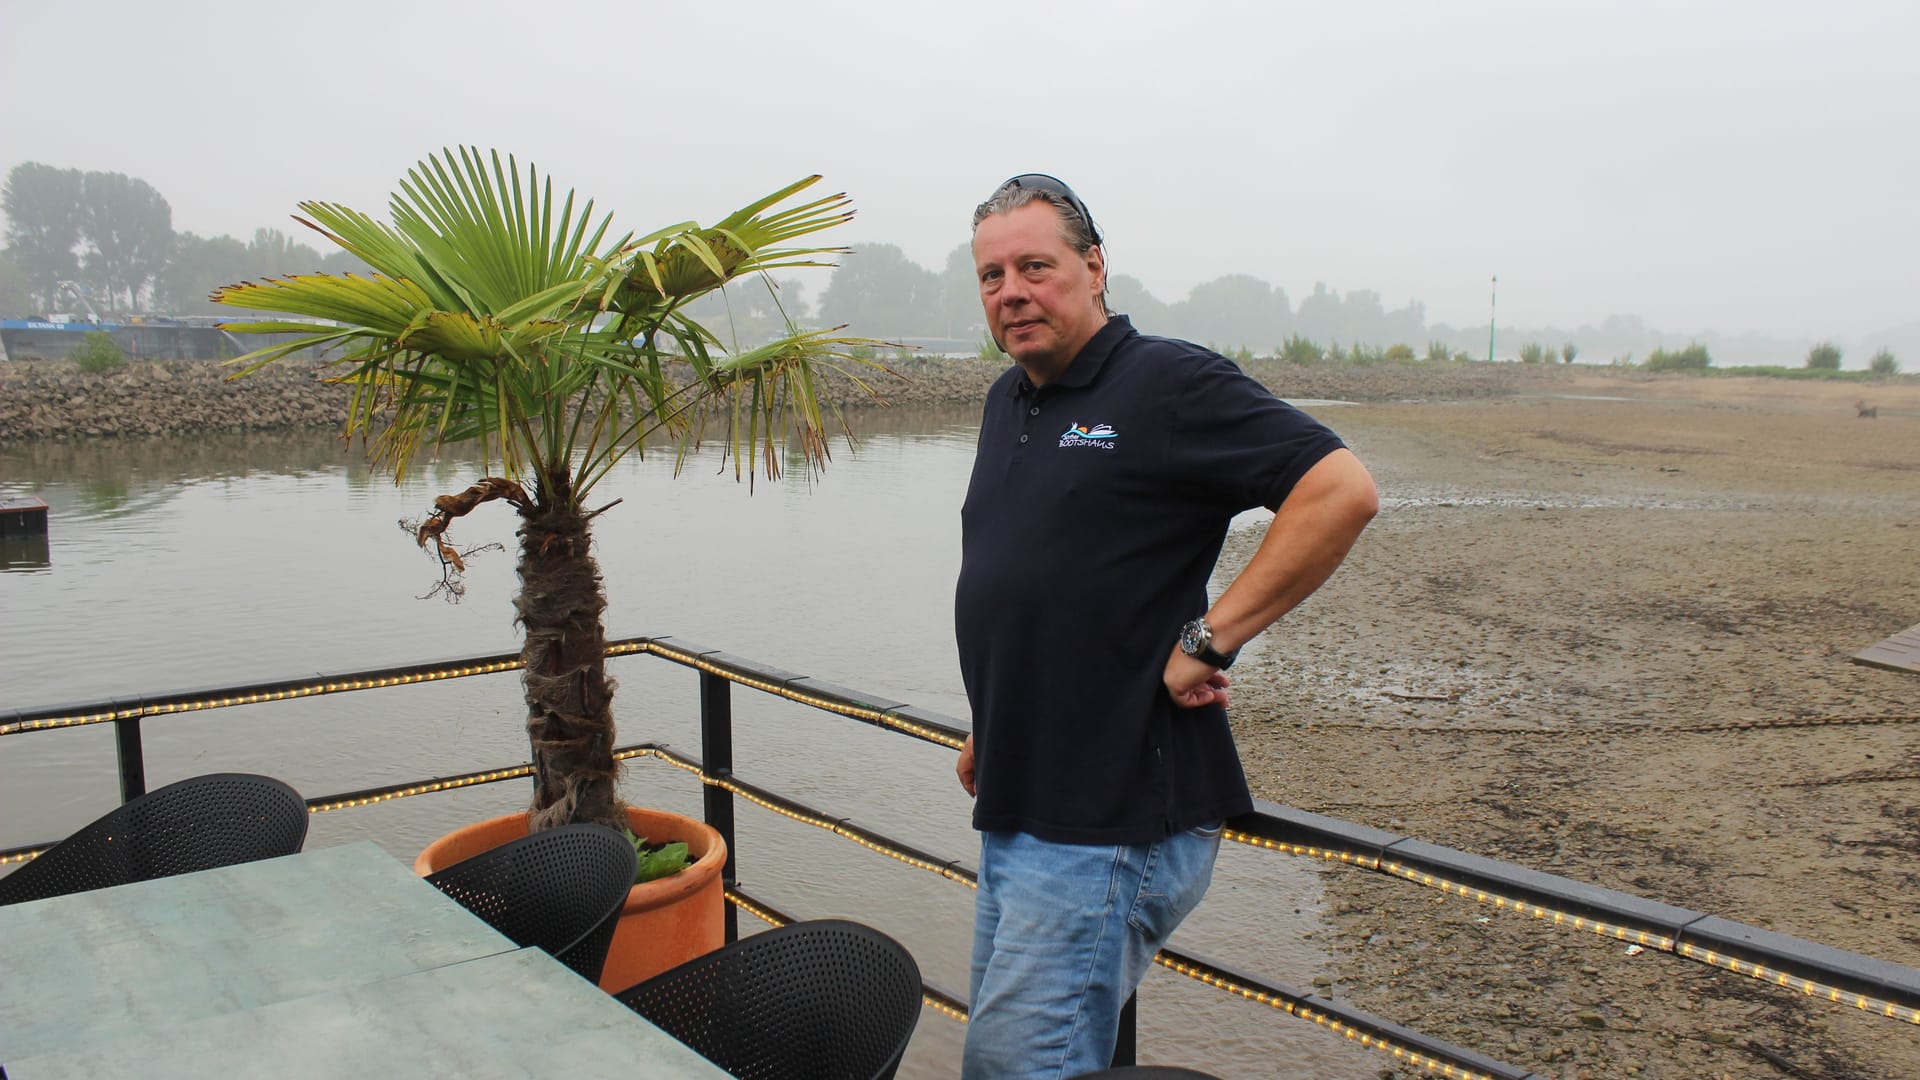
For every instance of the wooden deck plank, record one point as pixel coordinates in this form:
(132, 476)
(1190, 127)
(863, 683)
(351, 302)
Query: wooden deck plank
(1901, 652)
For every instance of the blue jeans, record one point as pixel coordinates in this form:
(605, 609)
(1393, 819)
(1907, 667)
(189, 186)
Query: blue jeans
(1062, 935)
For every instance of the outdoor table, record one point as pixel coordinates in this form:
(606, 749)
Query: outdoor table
(516, 1014)
(178, 970)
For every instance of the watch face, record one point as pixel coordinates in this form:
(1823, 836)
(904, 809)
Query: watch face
(1194, 636)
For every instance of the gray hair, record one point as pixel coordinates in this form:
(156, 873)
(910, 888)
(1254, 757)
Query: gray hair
(1076, 230)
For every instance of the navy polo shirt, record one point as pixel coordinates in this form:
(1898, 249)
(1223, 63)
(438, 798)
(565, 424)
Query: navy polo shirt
(1097, 508)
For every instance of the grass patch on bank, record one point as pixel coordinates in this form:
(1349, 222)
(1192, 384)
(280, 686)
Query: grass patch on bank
(1777, 372)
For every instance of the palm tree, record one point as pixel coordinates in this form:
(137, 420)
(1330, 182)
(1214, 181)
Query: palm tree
(498, 315)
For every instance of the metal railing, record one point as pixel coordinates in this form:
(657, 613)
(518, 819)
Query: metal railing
(1846, 978)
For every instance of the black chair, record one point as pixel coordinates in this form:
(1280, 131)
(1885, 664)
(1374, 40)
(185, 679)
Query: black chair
(559, 889)
(196, 824)
(812, 1000)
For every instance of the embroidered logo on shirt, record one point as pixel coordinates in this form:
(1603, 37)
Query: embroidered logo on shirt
(1098, 436)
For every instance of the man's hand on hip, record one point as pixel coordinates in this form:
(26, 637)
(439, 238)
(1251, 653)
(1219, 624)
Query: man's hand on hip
(1192, 683)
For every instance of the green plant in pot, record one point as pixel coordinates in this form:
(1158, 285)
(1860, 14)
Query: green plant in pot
(655, 861)
(500, 315)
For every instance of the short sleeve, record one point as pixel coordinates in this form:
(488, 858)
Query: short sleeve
(1234, 442)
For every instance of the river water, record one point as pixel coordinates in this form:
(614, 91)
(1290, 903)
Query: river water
(180, 563)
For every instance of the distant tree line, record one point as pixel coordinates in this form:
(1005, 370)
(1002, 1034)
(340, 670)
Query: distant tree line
(111, 237)
(880, 292)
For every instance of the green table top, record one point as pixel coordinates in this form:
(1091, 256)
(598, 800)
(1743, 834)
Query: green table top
(157, 954)
(517, 1014)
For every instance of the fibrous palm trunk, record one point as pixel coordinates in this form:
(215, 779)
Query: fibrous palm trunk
(569, 697)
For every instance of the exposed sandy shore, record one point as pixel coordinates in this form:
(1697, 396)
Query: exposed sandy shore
(1544, 651)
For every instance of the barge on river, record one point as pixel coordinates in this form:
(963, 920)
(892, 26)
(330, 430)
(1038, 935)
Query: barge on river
(140, 337)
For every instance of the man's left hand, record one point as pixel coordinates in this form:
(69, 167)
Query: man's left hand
(1192, 683)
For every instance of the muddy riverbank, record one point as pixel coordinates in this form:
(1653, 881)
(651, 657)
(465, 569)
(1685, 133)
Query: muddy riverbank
(1602, 629)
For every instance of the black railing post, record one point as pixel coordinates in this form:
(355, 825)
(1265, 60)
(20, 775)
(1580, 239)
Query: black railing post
(716, 756)
(1124, 1048)
(133, 760)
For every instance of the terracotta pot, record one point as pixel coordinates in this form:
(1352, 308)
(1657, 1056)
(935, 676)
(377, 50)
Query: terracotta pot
(663, 924)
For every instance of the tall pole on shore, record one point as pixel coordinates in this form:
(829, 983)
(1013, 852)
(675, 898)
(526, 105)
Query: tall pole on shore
(1492, 301)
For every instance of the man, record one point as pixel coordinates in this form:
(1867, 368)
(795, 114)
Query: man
(1109, 467)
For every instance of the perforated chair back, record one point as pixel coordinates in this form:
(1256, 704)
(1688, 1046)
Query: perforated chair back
(820, 1000)
(560, 889)
(195, 824)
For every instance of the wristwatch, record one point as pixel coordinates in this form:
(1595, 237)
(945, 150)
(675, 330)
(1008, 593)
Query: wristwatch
(1196, 640)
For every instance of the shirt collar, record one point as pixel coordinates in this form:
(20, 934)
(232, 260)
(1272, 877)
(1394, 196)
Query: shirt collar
(1087, 364)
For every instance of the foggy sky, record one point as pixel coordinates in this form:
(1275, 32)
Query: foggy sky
(1725, 167)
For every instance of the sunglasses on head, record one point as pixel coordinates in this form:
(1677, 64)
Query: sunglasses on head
(1052, 185)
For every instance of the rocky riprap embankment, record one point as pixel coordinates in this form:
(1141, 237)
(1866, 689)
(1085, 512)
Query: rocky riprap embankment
(42, 400)
(53, 400)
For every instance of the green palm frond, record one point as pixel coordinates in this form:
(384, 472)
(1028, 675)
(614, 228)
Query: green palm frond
(380, 246)
(502, 313)
(378, 304)
(498, 242)
(687, 261)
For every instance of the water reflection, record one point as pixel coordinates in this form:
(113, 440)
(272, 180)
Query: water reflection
(24, 554)
(109, 465)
